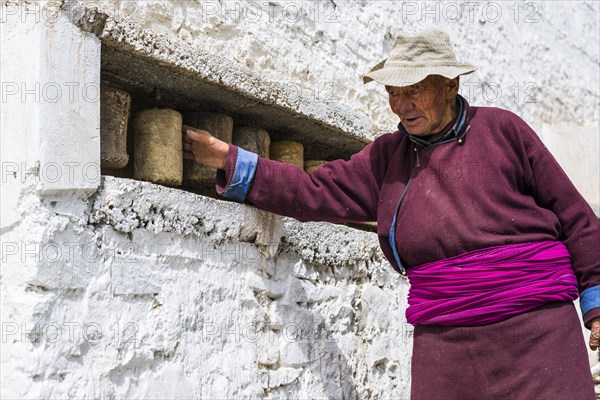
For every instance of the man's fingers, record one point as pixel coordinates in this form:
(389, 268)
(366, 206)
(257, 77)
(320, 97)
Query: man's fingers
(593, 343)
(212, 151)
(595, 334)
(187, 128)
(197, 134)
(202, 137)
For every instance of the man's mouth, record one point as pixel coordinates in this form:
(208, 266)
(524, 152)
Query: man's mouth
(410, 120)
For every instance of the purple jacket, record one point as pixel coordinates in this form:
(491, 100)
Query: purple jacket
(501, 186)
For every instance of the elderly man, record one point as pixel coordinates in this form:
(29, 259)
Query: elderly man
(495, 239)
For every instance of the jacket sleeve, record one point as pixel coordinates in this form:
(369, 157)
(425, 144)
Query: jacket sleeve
(580, 228)
(337, 191)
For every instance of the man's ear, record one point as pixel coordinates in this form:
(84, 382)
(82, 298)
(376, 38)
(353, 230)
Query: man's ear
(452, 85)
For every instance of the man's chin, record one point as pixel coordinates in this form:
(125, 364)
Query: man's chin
(415, 127)
(416, 132)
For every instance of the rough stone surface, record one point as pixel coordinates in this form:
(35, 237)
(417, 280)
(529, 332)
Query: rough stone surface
(148, 290)
(511, 44)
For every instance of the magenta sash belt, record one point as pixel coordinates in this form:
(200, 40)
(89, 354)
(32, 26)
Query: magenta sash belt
(490, 285)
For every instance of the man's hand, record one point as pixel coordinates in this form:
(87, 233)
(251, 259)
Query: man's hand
(204, 148)
(595, 334)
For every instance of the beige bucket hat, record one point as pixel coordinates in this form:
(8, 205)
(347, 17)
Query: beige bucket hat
(413, 58)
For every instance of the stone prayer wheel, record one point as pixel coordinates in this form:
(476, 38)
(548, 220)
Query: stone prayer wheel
(311, 165)
(220, 126)
(114, 114)
(158, 155)
(288, 151)
(256, 140)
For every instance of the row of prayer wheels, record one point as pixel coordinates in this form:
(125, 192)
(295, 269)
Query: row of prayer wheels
(157, 142)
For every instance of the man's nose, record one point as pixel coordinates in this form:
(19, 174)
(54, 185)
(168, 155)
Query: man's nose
(403, 105)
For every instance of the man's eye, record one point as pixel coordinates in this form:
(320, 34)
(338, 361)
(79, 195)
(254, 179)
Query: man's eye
(412, 92)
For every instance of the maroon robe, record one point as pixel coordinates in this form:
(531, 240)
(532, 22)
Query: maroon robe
(501, 186)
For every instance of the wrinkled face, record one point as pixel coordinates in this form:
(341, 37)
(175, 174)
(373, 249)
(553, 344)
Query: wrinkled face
(425, 107)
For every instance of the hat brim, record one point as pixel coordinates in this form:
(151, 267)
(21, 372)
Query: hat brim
(407, 76)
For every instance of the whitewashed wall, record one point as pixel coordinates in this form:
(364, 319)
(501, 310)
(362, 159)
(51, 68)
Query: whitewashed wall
(136, 290)
(143, 291)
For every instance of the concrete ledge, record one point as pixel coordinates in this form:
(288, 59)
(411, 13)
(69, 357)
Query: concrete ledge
(127, 205)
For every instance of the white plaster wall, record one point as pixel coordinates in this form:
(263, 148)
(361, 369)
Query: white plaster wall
(539, 59)
(146, 291)
(50, 117)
